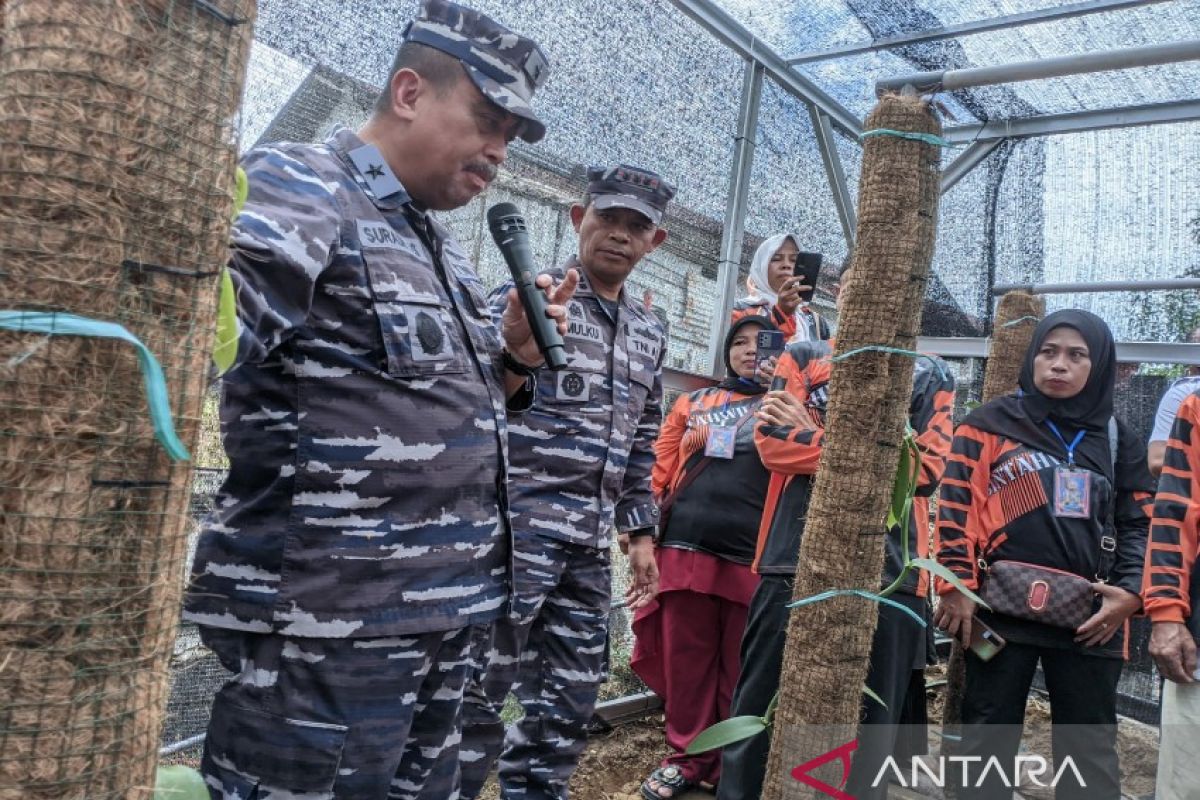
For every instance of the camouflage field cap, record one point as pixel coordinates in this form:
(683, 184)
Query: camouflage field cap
(624, 186)
(506, 67)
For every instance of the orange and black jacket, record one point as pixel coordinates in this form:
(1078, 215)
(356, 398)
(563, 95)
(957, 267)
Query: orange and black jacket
(792, 456)
(717, 512)
(818, 328)
(996, 504)
(1171, 588)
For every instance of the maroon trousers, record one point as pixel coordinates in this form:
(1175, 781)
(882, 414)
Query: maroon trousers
(687, 652)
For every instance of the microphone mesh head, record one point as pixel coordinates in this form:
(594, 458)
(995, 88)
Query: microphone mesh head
(504, 219)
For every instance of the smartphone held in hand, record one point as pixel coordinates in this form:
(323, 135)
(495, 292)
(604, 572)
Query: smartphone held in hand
(807, 269)
(985, 642)
(769, 345)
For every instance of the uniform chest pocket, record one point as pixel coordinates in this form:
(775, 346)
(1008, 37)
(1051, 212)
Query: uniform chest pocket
(421, 334)
(641, 383)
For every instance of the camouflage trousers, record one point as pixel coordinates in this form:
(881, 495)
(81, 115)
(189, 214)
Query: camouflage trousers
(338, 719)
(552, 653)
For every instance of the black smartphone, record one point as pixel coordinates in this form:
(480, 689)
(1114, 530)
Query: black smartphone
(769, 344)
(985, 642)
(808, 267)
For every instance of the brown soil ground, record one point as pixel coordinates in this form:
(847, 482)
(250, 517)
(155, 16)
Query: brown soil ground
(614, 765)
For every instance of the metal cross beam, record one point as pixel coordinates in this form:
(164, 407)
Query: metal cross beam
(1077, 121)
(969, 28)
(1152, 352)
(1056, 67)
(1159, 285)
(728, 30)
(970, 158)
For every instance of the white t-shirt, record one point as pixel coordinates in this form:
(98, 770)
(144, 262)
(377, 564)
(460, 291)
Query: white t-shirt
(1168, 407)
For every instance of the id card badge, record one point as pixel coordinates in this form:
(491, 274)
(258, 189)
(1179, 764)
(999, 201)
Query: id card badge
(1072, 492)
(721, 442)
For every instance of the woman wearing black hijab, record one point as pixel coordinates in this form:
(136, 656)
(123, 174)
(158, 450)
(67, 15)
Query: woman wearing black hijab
(1034, 478)
(709, 474)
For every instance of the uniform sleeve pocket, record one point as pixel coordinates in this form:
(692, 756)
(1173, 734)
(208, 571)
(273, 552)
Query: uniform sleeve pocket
(641, 383)
(248, 748)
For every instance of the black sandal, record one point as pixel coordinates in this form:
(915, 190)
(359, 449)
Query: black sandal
(670, 777)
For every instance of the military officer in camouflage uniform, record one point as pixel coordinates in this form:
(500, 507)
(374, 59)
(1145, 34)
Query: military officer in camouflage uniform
(580, 465)
(361, 542)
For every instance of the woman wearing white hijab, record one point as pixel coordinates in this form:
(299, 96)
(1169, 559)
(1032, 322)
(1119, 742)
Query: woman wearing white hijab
(775, 291)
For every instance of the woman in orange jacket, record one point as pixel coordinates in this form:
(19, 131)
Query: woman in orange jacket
(711, 484)
(1046, 487)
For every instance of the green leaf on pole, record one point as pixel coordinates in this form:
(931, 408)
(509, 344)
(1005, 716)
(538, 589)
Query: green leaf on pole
(726, 732)
(241, 191)
(769, 717)
(930, 565)
(900, 489)
(869, 693)
(225, 344)
(177, 782)
(224, 352)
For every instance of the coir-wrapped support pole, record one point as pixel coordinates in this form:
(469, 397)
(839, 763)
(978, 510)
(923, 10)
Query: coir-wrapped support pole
(116, 186)
(829, 643)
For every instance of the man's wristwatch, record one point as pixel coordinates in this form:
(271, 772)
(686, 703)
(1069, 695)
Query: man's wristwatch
(516, 367)
(640, 533)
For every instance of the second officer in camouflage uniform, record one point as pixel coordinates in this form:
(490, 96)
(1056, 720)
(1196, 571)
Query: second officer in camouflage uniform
(580, 464)
(360, 543)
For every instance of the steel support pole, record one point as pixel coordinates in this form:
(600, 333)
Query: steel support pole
(969, 28)
(836, 174)
(1088, 287)
(1074, 64)
(967, 160)
(735, 213)
(732, 34)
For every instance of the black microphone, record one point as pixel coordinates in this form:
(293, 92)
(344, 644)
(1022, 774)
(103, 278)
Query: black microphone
(509, 232)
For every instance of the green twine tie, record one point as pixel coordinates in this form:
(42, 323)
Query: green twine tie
(894, 351)
(927, 138)
(1019, 320)
(52, 323)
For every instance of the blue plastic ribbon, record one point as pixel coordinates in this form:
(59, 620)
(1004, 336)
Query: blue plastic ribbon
(152, 375)
(927, 138)
(817, 598)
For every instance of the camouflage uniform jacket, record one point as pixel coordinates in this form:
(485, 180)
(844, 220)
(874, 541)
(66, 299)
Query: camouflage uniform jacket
(581, 457)
(364, 420)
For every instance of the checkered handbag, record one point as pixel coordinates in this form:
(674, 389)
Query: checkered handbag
(1040, 594)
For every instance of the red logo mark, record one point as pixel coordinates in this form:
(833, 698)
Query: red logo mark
(842, 753)
(1039, 593)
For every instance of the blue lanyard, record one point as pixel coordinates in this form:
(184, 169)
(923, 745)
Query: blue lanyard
(1070, 448)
